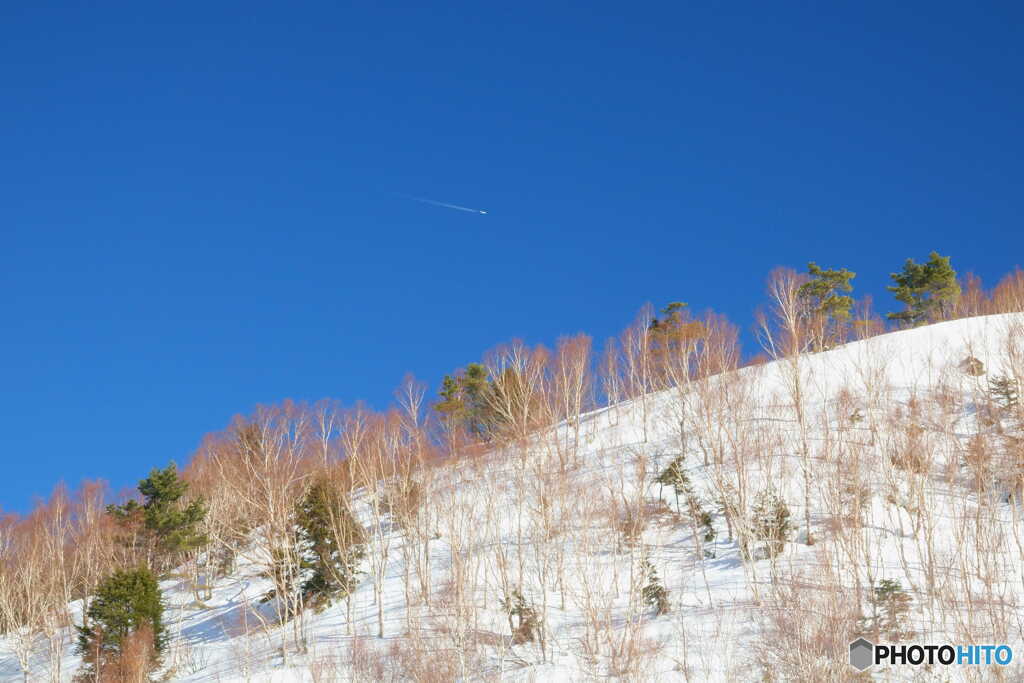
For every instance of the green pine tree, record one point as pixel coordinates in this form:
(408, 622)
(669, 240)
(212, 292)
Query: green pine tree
(822, 298)
(171, 524)
(523, 619)
(466, 401)
(674, 333)
(477, 390)
(654, 593)
(673, 319)
(890, 605)
(675, 476)
(928, 290)
(770, 521)
(333, 544)
(451, 405)
(126, 603)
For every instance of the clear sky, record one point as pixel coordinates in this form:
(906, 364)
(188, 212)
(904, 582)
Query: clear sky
(201, 210)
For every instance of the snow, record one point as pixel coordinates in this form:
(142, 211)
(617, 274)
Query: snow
(716, 629)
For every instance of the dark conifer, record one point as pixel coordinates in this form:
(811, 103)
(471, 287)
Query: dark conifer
(170, 525)
(333, 544)
(823, 300)
(126, 603)
(466, 401)
(770, 521)
(653, 592)
(928, 290)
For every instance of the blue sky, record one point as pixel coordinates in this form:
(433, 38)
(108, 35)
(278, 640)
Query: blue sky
(200, 202)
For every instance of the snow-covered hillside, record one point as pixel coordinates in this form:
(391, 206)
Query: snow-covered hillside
(908, 465)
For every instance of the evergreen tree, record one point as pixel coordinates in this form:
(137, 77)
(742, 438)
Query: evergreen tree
(653, 593)
(126, 604)
(770, 521)
(673, 318)
(523, 620)
(928, 290)
(704, 519)
(673, 333)
(822, 299)
(466, 401)
(890, 604)
(333, 544)
(170, 523)
(451, 405)
(477, 389)
(675, 476)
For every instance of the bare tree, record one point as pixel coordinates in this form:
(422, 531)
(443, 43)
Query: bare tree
(413, 490)
(611, 377)
(24, 585)
(265, 472)
(570, 393)
(517, 375)
(374, 461)
(327, 424)
(56, 531)
(1008, 296)
(638, 370)
(785, 336)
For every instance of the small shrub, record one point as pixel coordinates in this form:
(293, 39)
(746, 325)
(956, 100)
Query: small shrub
(620, 654)
(223, 560)
(405, 659)
(1004, 392)
(325, 669)
(366, 664)
(523, 619)
(807, 625)
(135, 661)
(703, 519)
(631, 525)
(972, 366)
(770, 521)
(654, 594)
(855, 497)
(979, 461)
(907, 450)
(675, 476)
(890, 605)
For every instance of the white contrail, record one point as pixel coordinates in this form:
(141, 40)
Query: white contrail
(444, 204)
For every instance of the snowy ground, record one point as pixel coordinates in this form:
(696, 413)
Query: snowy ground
(489, 531)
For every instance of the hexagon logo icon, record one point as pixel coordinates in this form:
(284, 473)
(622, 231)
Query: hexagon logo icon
(862, 653)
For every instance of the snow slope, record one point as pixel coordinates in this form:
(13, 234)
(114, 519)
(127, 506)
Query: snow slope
(903, 394)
